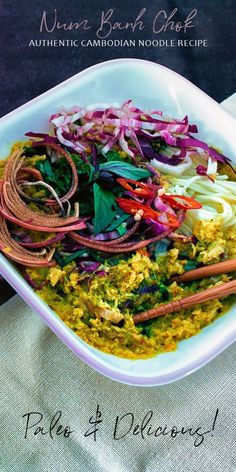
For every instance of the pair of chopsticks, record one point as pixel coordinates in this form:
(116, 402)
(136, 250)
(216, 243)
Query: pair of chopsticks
(219, 291)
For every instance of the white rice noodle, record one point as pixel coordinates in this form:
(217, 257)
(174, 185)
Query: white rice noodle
(172, 170)
(218, 199)
(212, 166)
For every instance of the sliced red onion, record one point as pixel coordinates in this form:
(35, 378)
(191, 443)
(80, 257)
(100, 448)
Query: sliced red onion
(83, 129)
(109, 236)
(110, 143)
(181, 216)
(71, 246)
(32, 283)
(155, 229)
(163, 207)
(70, 144)
(100, 273)
(168, 138)
(123, 143)
(192, 142)
(64, 118)
(201, 170)
(151, 154)
(94, 114)
(153, 171)
(24, 237)
(89, 266)
(126, 121)
(153, 126)
(69, 136)
(182, 153)
(45, 243)
(95, 157)
(135, 140)
(134, 197)
(46, 137)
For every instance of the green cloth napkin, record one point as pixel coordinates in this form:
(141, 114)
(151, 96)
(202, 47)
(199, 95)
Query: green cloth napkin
(39, 375)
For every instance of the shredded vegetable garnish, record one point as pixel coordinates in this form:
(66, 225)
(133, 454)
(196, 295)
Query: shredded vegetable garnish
(133, 129)
(93, 182)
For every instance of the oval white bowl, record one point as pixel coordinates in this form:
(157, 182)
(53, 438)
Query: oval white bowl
(151, 86)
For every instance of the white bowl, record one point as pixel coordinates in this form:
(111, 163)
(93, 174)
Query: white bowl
(150, 86)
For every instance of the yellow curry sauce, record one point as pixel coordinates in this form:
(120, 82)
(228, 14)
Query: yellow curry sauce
(89, 304)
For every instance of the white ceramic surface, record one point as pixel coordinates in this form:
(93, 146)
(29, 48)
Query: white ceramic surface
(150, 86)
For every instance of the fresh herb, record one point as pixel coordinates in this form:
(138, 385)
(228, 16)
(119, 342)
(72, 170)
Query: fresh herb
(78, 122)
(83, 168)
(121, 229)
(126, 170)
(58, 175)
(108, 258)
(30, 151)
(146, 328)
(63, 261)
(161, 247)
(164, 292)
(190, 265)
(109, 156)
(158, 145)
(47, 169)
(148, 289)
(86, 203)
(113, 155)
(160, 293)
(117, 221)
(104, 208)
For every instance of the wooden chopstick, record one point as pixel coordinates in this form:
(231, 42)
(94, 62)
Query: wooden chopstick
(207, 271)
(222, 290)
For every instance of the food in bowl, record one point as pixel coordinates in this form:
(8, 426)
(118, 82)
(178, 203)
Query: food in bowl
(104, 211)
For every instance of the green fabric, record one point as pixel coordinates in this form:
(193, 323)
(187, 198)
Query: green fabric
(38, 373)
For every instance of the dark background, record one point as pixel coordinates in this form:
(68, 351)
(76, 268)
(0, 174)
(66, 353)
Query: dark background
(25, 71)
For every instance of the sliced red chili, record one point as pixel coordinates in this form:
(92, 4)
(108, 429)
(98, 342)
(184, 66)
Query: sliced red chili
(133, 207)
(173, 222)
(139, 189)
(181, 202)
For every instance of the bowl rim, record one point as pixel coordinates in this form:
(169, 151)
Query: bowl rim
(101, 65)
(59, 328)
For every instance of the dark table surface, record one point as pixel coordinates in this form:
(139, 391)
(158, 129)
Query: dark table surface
(27, 71)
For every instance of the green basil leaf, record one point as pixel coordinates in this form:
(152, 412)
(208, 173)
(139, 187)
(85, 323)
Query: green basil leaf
(117, 222)
(104, 203)
(72, 257)
(48, 169)
(83, 167)
(126, 170)
(40, 166)
(63, 261)
(113, 156)
(121, 229)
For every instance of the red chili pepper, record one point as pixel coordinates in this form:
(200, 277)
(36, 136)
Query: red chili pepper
(140, 189)
(133, 207)
(181, 202)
